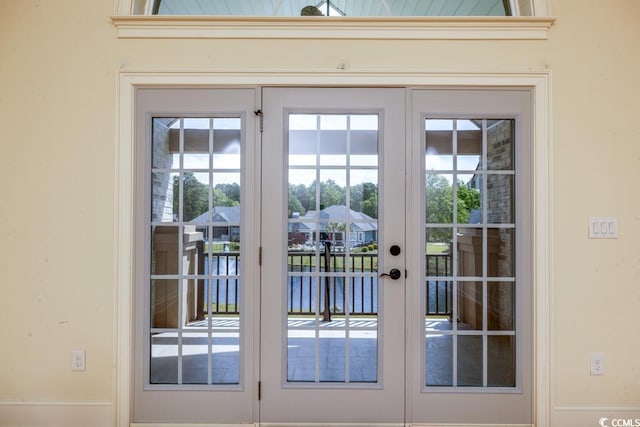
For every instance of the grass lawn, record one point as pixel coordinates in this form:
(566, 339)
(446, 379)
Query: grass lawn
(437, 248)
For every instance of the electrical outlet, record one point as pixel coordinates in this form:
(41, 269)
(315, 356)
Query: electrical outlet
(78, 360)
(597, 363)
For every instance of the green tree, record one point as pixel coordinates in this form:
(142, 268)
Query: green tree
(302, 196)
(468, 200)
(294, 203)
(221, 199)
(195, 196)
(439, 200)
(331, 193)
(231, 192)
(439, 205)
(370, 205)
(356, 197)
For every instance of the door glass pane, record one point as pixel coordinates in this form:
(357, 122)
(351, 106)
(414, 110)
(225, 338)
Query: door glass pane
(332, 283)
(501, 370)
(196, 143)
(501, 252)
(195, 195)
(470, 306)
(500, 144)
(195, 274)
(469, 259)
(163, 365)
(195, 366)
(469, 360)
(165, 196)
(439, 366)
(501, 301)
(439, 198)
(500, 199)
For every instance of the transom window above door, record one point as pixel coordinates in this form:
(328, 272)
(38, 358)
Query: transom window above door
(366, 8)
(334, 19)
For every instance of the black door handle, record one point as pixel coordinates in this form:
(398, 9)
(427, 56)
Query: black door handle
(394, 274)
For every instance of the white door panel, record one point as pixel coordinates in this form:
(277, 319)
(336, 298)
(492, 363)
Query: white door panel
(470, 301)
(349, 368)
(194, 335)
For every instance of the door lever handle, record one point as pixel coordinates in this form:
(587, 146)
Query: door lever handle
(394, 274)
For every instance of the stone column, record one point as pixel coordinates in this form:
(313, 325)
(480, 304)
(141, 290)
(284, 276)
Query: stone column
(165, 261)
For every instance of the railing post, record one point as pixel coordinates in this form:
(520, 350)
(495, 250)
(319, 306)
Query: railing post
(326, 315)
(200, 299)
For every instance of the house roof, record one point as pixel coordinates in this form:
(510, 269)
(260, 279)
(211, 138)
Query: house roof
(227, 214)
(337, 213)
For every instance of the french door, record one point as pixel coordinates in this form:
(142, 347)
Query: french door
(332, 322)
(334, 255)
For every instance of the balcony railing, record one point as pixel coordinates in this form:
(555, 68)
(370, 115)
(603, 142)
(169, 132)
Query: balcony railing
(307, 271)
(358, 271)
(438, 295)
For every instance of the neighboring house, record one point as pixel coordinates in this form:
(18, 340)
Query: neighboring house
(330, 222)
(225, 221)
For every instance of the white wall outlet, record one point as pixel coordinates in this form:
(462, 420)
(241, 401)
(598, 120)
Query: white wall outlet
(597, 363)
(603, 228)
(78, 360)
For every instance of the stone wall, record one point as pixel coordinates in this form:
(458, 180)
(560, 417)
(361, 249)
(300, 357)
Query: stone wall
(162, 183)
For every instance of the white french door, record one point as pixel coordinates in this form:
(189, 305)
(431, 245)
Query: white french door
(195, 258)
(332, 329)
(333, 256)
(469, 301)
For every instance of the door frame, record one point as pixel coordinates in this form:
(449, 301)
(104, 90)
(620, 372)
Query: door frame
(130, 80)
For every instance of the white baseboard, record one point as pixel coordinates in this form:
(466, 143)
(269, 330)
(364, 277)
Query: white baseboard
(472, 425)
(328, 425)
(331, 425)
(56, 414)
(190, 425)
(389, 425)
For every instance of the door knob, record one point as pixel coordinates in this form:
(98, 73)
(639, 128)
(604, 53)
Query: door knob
(394, 274)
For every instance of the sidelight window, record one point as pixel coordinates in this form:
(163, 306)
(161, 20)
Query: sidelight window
(470, 282)
(194, 282)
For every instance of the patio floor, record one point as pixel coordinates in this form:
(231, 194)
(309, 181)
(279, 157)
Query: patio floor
(338, 359)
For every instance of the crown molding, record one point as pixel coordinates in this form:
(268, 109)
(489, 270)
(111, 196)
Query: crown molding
(345, 28)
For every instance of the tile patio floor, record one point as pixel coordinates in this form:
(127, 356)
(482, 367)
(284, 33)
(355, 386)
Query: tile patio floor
(331, 353)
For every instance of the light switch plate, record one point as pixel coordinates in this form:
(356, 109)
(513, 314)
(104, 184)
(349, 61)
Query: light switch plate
(78, 360)
(603, 228)
(597, 363)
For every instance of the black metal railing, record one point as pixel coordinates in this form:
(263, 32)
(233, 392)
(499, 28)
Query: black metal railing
(353, 289)
(438, 296)
(358, 272)
(225, 275)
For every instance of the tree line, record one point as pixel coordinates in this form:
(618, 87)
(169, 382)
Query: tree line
(362, 198)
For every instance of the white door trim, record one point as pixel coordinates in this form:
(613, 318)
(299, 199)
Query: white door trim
(129, 80)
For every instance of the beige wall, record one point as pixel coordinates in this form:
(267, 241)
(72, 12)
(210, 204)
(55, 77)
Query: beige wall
(59, 62)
